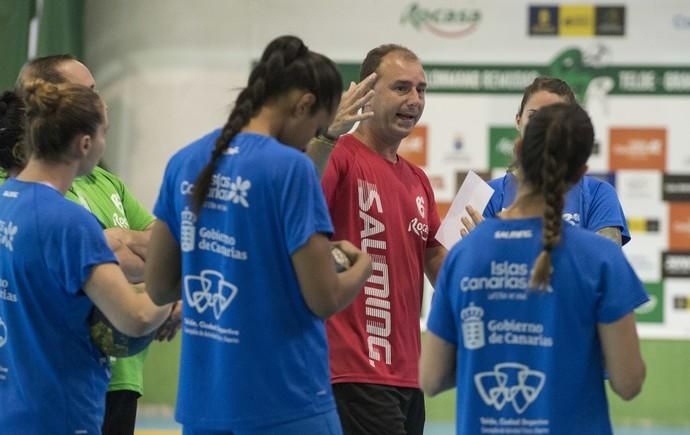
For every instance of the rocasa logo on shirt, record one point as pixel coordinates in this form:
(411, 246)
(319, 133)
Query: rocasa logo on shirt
(377, 287)
(417, 226)
(120, 219)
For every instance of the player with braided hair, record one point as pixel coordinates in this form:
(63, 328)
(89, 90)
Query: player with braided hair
(590, 203)
(528, 312)
(242, 238)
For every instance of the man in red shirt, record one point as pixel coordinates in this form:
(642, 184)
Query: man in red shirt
(385, 205)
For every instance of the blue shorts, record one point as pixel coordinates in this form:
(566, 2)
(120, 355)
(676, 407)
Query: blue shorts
(322, 424)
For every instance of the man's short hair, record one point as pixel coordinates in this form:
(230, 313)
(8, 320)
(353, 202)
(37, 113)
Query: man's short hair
(373, 60)
(45, 68)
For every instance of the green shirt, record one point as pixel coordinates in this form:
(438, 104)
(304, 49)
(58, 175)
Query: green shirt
(107, 197)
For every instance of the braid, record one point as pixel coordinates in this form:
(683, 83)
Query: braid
(266, 79)
(557, 143)
(248, 102)
(285, 64)
(553, 189)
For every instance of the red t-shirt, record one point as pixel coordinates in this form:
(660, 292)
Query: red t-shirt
(387, 210)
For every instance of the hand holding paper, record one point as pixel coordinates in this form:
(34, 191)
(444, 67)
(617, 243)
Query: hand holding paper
(474, 192)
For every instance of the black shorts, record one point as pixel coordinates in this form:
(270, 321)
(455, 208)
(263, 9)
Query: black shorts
(120, 412)
(373, 409)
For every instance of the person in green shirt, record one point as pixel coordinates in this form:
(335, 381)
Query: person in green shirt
(125, 221)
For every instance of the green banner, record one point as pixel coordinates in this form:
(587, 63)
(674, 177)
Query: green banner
(568, 65)
(501, 143)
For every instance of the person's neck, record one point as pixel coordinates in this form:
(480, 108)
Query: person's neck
(268, 122)
(56, 175)
(528, 203)
(386, 148)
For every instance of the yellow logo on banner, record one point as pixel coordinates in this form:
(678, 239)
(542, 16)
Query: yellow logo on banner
(576, 20)
(637, 225)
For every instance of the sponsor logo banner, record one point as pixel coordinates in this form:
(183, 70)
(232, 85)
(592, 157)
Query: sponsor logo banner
(576, 20)
(652, 311)
(643, 225)
(639, 185)
(414, 147)
(679, 226)
(676, 188)
(610, 21)
(572, 65)
(675, 264)
(442, 207)
(637, 148)
(444, 22)
(543, 20)
(681, 303)
(581, 20)
(501, 144)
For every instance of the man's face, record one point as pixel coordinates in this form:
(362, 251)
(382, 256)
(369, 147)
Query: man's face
(75, 72)
(399, 100)
(97, 145)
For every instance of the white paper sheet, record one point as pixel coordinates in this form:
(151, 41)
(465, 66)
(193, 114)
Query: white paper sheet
(475, 192)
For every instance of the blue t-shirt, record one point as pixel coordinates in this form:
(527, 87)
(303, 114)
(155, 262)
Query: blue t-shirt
(52, 377)
(530, 361)
(591, 204)
(253, 354)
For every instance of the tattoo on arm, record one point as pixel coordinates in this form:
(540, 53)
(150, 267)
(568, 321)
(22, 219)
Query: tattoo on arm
(612, 233)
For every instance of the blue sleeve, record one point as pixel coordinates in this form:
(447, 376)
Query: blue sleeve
(494, 206)
(441, 321)
(302, 203)
(620, 290)
(164, 209)
(75, 243)
(605, 211)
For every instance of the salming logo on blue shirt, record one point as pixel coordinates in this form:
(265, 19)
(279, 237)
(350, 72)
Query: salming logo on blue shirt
(510, 383)
(209, 290)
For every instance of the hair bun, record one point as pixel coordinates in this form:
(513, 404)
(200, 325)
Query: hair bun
(42, 97)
